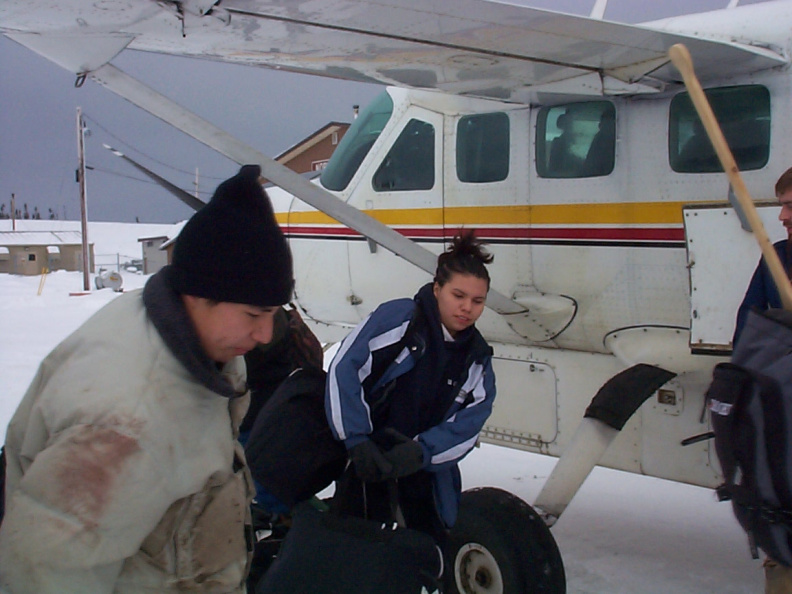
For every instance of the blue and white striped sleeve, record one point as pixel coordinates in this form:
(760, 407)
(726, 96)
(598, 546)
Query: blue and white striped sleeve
(451, 440)
(347, 410)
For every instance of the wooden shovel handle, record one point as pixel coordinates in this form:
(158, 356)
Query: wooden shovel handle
(680, 56)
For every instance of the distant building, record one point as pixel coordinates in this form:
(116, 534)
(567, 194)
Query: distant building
(154, 257)
(158, 251)
(313, 153)
(30, 252)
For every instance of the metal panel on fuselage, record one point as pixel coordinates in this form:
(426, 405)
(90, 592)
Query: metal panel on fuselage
(721, 259)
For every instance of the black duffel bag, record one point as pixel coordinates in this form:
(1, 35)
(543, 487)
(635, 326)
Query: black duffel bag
(324, 553)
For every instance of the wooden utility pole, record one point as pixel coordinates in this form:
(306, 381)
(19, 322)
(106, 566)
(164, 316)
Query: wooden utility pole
(83, 200)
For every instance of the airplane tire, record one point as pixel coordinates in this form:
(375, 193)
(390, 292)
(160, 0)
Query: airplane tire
(500, 545)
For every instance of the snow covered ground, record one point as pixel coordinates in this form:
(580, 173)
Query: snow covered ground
(622, 534)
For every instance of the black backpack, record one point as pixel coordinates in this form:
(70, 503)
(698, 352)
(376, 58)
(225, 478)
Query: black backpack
(291, 450)
(750, 402)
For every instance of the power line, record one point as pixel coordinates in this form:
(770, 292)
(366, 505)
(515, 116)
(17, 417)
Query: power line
(138, 179)
(146, 155)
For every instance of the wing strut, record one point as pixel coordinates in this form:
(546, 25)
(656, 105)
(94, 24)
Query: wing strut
(520, 319)
(192, 201)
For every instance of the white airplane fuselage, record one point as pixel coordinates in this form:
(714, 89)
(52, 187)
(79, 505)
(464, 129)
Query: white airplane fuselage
(606, 262)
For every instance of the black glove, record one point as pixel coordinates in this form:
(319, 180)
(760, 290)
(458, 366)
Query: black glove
(370, 465)
(406, 455)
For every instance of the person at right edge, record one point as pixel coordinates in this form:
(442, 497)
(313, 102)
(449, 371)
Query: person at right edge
(762, 294)
(433, 389)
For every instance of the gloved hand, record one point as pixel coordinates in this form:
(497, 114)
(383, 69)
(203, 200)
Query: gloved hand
(406, 456)
(369, 462)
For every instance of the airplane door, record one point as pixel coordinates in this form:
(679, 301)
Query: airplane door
(320, 245)
(403, 188)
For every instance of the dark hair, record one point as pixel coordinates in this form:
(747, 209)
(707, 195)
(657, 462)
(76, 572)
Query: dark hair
(784, 183)
(464, 256)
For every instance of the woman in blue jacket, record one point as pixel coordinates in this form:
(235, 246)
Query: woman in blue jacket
(408, 392)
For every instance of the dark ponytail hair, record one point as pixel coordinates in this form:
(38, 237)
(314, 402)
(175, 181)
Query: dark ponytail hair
(465, 256)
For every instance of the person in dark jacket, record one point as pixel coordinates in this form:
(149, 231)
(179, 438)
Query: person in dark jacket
(408, 392)
(762, 292)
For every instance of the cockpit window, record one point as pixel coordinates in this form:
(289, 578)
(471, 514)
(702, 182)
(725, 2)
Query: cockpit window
(744, 116)
(576, 140)
(482, 148)
(410, 163)
(356, 143)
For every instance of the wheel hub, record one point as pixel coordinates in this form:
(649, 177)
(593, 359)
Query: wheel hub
(476, 571)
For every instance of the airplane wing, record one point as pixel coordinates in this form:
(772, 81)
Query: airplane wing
(480, 48)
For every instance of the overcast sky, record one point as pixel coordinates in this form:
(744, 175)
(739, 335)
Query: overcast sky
(269, 110)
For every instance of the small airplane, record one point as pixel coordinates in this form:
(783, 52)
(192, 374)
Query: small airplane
(569, 143)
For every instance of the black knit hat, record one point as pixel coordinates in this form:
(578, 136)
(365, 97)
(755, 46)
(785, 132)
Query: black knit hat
(232, 250)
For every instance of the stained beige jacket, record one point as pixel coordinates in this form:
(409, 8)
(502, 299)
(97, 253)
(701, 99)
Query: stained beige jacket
(124, 473)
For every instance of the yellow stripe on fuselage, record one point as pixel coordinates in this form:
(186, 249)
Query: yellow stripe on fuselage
(621, 213)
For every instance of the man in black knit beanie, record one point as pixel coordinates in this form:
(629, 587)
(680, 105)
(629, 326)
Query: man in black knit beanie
(124, 472)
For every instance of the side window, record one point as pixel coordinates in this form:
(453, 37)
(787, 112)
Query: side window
(744, 116)
(576, 140)
(482, 148)
(410, 163)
